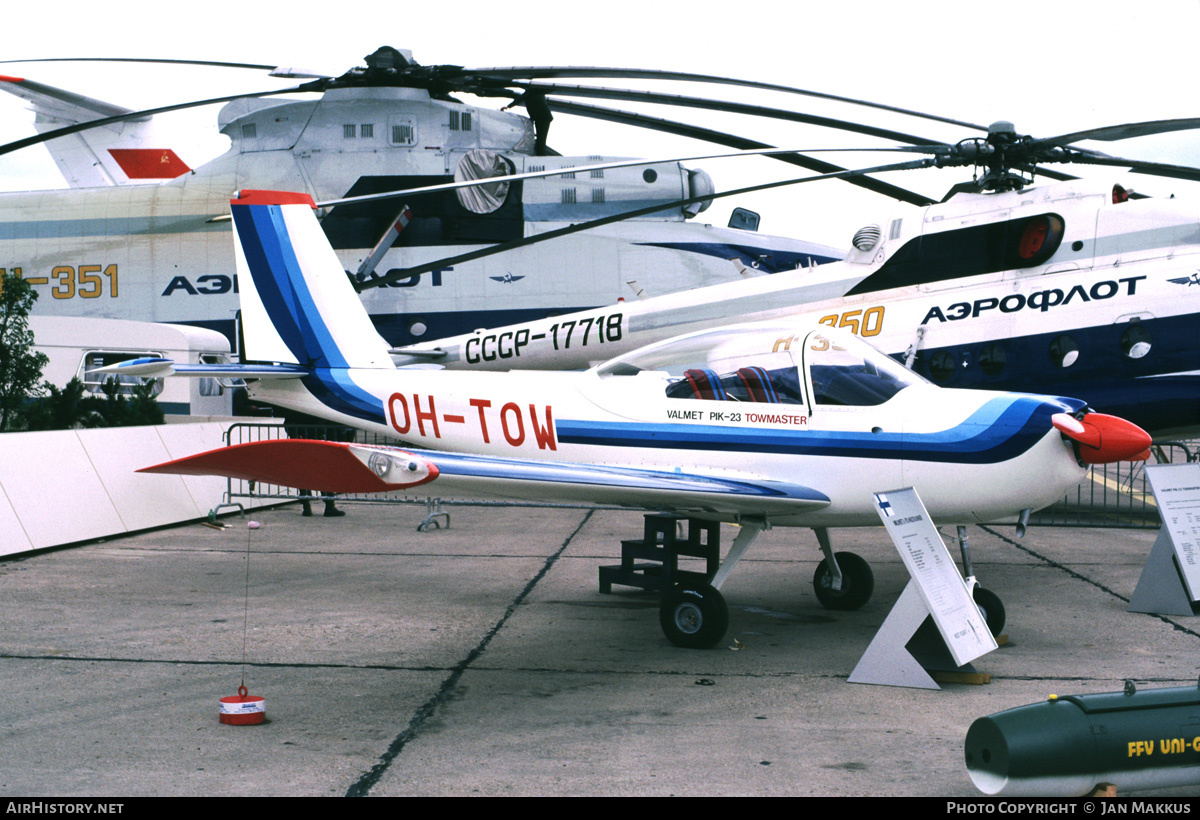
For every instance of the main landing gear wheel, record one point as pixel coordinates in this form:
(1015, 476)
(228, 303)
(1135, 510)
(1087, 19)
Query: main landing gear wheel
(694, 618)
(858, 582)
(993, 610)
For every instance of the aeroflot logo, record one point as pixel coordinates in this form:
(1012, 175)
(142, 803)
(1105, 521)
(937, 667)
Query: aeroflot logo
(213, 283)
(418, 414)
(1042, 300)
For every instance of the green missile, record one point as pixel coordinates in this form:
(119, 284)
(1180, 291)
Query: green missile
(1068, 746)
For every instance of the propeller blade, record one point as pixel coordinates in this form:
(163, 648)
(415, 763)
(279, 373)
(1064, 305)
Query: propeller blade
(405, 273)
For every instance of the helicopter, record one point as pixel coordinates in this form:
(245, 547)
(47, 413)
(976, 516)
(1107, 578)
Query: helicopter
(1066, 286)
(125, 244)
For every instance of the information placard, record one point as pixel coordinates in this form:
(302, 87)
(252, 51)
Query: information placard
(1177, 491)
(937, 578)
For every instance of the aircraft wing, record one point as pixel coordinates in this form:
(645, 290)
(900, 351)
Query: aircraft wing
(359, 468)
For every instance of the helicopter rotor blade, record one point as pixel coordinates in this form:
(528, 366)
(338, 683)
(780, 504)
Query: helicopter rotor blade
(405, 273)
(727, 107)
(1159, 169)
(735, 141)
(1124, 131)
(595, 72)
(211, 63)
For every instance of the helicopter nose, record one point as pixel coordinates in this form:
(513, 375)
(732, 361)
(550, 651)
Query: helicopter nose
(1104, 439)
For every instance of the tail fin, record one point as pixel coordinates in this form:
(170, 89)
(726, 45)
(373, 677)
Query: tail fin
(115, 154)
(298, 306)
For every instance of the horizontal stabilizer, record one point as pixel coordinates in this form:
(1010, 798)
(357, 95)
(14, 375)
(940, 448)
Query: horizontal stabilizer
(60, 103)
(358, 468)
(154, 368)
(317, 465)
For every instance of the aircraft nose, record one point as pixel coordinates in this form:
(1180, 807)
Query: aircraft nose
(1104, 439)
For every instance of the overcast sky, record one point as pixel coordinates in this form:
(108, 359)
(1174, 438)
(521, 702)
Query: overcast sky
(1050, 67)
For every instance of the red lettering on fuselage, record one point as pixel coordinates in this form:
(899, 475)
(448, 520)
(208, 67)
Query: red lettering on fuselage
(393, 400)
(402, 411)
(481, 405)
(512, 411)
(430, 415)
(544, 436)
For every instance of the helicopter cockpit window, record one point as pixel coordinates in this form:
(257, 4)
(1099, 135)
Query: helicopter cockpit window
(482, 164)
(850, 373)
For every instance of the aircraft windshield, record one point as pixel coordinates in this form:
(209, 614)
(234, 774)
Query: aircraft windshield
(730, 364)
(747, 364)
(847, 371)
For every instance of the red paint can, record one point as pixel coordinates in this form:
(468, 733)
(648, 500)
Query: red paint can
(242, 709)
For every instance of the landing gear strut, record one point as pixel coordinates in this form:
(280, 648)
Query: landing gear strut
(988, 602)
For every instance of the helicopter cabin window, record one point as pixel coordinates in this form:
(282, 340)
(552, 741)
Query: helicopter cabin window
(850, 375)
(992, 359)
(1135, 341)
(1064, 351)
(942, 366)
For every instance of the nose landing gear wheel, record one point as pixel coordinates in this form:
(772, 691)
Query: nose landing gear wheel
(694, 618)
(858, 582)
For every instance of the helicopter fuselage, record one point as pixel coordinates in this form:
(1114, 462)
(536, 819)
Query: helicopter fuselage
(154, 253)
(1053, 289)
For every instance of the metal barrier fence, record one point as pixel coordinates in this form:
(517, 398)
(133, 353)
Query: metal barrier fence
(1112, 495)
(1116, 495)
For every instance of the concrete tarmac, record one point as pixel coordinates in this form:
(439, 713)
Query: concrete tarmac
(480, 659)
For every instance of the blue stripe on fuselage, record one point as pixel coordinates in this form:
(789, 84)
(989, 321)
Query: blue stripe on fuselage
(1001, 429)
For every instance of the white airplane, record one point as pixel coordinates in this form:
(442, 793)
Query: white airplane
(759, 425)
(162, 252)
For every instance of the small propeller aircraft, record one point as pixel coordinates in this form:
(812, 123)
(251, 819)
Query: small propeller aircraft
(761, 425)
